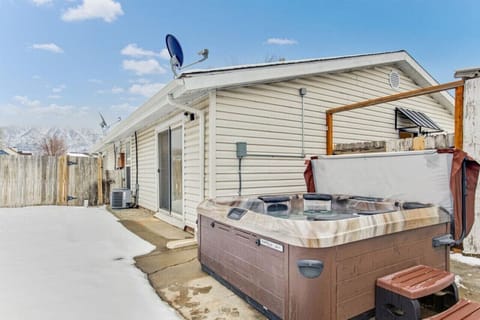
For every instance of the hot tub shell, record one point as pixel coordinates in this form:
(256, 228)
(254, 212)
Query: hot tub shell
(259, 254)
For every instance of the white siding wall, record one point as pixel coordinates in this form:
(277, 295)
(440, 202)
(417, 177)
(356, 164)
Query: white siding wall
(147, 165)
(109, 159)
(192, 166)
(268, 118)
(133, 168)
(147, 169)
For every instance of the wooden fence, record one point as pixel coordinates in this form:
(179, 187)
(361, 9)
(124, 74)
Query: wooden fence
(440, 141)
(44, 180)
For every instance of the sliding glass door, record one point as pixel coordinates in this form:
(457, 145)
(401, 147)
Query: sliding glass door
(170, 170)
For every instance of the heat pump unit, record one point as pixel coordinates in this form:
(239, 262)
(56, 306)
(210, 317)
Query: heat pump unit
(120, 198)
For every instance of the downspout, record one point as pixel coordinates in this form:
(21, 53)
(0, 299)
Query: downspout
(137, 186)
(201, 139)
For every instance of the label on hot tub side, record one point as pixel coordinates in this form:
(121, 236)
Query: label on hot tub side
(271, 245)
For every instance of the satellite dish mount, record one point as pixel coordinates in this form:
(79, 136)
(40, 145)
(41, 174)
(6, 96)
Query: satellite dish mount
(176, 54)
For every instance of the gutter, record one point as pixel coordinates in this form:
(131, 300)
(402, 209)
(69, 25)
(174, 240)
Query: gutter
(201, 139)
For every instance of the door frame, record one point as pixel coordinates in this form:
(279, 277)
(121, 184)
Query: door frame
(170, 216)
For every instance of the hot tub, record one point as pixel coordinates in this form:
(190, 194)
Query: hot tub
(315, 256)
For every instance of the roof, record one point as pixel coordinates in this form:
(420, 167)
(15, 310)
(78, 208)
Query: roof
(191, 85)
(420, 119)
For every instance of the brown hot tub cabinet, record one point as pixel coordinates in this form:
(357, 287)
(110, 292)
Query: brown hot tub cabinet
(320, 263)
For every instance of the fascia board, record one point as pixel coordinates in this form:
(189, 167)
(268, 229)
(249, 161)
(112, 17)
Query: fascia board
(141, 114)
(281, 72)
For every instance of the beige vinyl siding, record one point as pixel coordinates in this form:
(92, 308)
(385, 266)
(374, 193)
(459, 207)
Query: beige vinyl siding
(109, 159)
(191, 166)
(133, 168)
(147, 169)
(268, 118)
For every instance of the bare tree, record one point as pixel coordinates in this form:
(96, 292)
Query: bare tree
(53, 146)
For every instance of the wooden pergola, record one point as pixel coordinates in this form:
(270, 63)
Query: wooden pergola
(457, 85)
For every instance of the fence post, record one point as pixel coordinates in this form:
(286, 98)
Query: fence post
(62, 180)
(100, 180)
(471, 145)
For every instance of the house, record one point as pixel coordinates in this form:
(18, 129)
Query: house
(9, 151)
(181, 146)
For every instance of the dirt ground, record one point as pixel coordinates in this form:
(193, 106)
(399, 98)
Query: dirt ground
(177, 277)
(467, 279)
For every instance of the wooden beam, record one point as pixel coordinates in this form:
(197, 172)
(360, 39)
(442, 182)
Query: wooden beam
(459, 117)
(329, 119)
(398, 96)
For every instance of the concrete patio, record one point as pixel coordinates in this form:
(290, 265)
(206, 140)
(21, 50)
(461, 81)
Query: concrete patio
(176, 275)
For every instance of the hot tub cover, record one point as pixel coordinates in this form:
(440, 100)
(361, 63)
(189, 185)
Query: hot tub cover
(425, 176)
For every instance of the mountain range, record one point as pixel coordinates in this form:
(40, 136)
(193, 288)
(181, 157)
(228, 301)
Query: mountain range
(28, 139)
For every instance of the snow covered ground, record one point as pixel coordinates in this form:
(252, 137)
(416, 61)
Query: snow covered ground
(72, 263)
(472, 261)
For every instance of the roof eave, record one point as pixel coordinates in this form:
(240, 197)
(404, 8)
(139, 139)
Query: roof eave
(139, 117)
(281, 72)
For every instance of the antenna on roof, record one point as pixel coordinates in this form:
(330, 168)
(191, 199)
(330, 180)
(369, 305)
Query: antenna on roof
(104, 125)
(176, 54)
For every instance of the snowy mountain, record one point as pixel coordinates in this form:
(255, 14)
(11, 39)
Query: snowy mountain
(28, 139)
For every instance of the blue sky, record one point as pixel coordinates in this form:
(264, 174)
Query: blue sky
(63, 61)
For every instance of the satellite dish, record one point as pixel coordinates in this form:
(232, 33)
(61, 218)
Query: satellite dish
(104, 125)
(175, 50)
(176, 54)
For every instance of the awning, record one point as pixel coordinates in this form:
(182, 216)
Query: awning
(419, 119)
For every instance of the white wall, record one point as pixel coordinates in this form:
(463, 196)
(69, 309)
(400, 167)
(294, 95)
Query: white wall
(268, 118)
(191, 166)
(147, 169)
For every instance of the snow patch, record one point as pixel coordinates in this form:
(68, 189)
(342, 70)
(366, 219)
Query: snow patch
(472, 261)
(72, 263)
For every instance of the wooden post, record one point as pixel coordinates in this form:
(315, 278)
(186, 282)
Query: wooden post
(62, 192)
(471, 145)
(100, 181)
(329, 118)
(459, 117)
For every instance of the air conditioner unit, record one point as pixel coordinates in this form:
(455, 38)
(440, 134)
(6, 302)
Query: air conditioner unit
(120, 198)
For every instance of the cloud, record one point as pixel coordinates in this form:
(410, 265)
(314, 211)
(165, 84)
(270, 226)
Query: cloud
(108, 10)
(117, 90)
(54, 109)
(124, 108)
(59, 88)
(164, 54)
(36, 77)
(146, 90)
(24, 100)
(281, 41)
(139, 80)
(27, 112)
(39, 3)
(52, 47)
(141, 67)
(35, 107)
(54, 96)
(133, 50)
